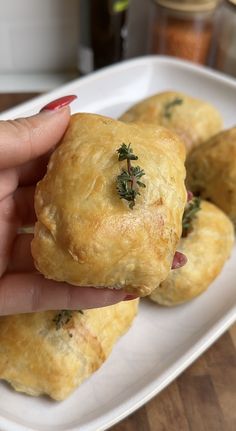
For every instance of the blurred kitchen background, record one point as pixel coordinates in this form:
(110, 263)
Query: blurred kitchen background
(46, 43)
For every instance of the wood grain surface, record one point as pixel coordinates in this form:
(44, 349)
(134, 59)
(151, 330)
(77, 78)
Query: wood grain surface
(203, 398)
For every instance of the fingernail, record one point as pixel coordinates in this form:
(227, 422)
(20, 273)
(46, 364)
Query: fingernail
(189, 196)
(130, 297)
(179, 260)
(59, 103)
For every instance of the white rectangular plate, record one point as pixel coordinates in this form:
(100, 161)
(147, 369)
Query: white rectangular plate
(162, 342)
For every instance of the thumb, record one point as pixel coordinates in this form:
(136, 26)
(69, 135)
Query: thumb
(26, 139)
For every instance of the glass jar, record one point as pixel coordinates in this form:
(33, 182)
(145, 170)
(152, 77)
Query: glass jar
(182, 28)
(225, 41)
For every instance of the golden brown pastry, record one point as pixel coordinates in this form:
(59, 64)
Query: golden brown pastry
(36, 358)
(211, 171)
(192, 119)
(207, 247)
(86, 235)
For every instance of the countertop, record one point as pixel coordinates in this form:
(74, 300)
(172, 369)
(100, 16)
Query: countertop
(203, 398)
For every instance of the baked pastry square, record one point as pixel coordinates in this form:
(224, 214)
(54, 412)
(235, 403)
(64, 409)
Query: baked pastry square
(211, 171)
(194, 120)
(86, 234)
(207, 246)
(37, 358)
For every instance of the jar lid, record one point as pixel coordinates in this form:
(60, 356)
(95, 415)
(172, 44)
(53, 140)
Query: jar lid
(190, 5)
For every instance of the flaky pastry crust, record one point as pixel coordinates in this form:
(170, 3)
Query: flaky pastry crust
(207, 248)
(37, 359)
(211, 171)
(193, 120)
(85, 234)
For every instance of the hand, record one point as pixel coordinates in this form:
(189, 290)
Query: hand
(25, 145)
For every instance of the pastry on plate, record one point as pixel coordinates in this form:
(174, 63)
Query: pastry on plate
(106, 221)
(54, 352)
(211, 171)
(207, 243)
(192, 119)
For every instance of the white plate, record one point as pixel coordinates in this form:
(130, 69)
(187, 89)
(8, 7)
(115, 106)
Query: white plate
(162, 342)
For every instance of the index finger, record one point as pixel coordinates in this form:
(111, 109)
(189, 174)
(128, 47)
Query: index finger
(26, 139)
(31, 292)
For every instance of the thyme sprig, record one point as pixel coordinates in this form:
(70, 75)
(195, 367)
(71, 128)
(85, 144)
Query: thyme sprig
(63, 317)
(168, 108)
(190, 212)
(128, 182)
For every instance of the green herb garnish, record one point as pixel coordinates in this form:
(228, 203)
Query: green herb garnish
(190, 213)
(128, 182)
(63, 317)
(168, 109)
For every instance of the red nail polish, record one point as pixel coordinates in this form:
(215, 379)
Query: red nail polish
(59, 103)
(189, 196)
(179, 260)
(130, 297)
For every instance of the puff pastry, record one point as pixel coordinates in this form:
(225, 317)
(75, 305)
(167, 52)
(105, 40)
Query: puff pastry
(207, 248)
(192, 119)
(211, 171)
(85, 234)
(36, 358)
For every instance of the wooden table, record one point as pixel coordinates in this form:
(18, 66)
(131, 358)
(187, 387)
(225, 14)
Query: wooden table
(203, 398)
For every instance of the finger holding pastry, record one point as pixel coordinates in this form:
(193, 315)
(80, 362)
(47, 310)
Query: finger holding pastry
(25, 148)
